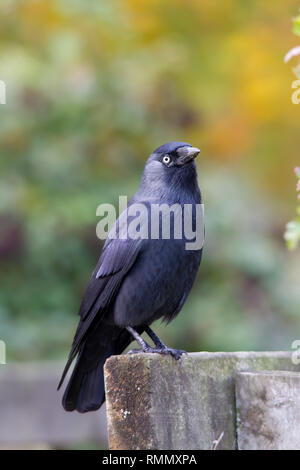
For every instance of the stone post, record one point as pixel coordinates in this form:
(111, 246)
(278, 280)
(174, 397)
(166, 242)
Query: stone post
(155, 402)
(268, 410)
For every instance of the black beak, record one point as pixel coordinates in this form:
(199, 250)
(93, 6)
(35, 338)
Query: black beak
(186, 154)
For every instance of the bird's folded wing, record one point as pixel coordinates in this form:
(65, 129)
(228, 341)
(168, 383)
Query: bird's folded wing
(118, 255)
(115, 261)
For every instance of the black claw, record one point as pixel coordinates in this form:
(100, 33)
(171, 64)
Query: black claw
(176, 353)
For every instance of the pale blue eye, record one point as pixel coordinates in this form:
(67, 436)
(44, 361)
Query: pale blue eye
(166, 159)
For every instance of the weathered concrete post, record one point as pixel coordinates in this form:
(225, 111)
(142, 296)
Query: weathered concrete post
(268, 410)
(154, 402)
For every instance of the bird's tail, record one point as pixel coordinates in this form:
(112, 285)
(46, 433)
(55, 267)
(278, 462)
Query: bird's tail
(85, 390)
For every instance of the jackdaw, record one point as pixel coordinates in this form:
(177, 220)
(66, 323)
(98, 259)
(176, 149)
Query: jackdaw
(137, 279)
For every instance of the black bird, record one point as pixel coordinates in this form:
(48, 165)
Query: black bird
(136, 281)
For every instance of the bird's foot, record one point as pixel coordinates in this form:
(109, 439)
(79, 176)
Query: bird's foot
(176, 353)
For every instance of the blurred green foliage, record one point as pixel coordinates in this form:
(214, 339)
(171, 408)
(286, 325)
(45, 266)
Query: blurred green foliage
(292, 233)
(296, 25)
(92, 88)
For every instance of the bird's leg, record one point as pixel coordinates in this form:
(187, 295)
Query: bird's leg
(144, 345)
(158, 342)
(160, 348)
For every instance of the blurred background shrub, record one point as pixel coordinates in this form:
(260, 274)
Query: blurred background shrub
(292, 233)
(92, 88)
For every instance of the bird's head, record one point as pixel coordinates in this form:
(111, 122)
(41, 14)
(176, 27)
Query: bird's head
(171, 167)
